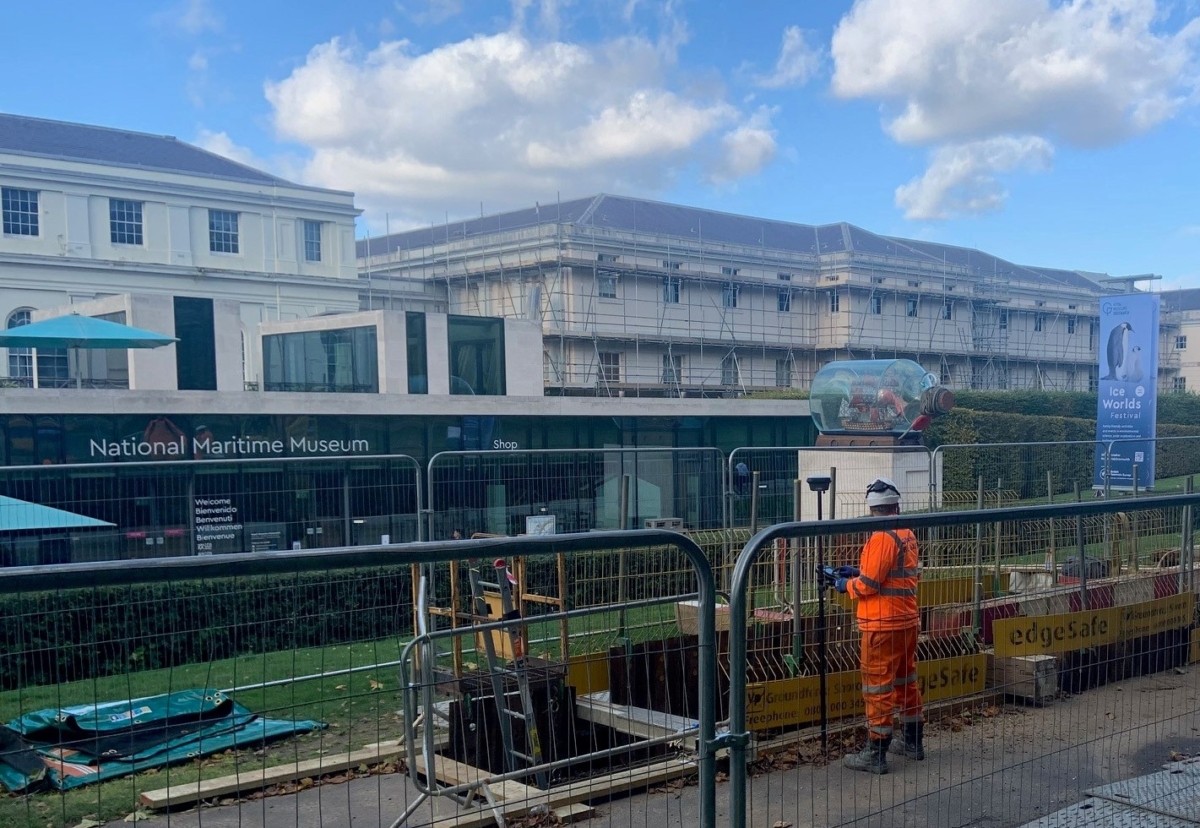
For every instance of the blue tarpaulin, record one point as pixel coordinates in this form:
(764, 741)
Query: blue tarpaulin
(95, 742)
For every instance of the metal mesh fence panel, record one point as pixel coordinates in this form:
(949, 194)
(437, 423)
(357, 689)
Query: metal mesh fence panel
(114, 511)
(276, 685)
(1043, 680)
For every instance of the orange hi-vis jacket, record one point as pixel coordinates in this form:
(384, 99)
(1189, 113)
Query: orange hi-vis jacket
(886, 589)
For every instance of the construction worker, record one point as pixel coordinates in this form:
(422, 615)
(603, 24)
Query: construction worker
(885, 586)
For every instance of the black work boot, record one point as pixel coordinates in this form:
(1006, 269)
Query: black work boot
(872, 758)
(912, 744)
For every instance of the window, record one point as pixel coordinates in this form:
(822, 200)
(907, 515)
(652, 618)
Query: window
(476, 355)
(53, 369)
(1181, 343)
(20, 360)
(947, 310)
(730, 271)
(783, 373)
(877, 280)
(913, 283)
(877, 304)
(672, 369)
(20, 208)
(610, 366)
(1070, 381)
(125, 221)
(222, 231)
(1070, 324)
(1092, 334)
(910, 306)
(729, 295)
(669, 265)
(417, 351)
(343, 360)
(1179, 384)
(729, 370)
(785, 277)
(607, 257)
(671, 289)
(785, 301)
(1039, 322)
(1004, 320)
(835, 302)
(606, 285)
(312, 241)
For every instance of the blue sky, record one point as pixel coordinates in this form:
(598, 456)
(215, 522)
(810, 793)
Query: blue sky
(1054, 132)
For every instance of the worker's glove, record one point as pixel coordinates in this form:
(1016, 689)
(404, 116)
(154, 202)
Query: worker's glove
(847, 572)
(840, 585)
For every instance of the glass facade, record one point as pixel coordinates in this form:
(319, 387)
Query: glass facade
(343, 360)
(476, 349)
(339, 494)
(196, 350)
(417, 351)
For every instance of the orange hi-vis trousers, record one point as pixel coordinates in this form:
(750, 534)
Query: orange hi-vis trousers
(889, 679)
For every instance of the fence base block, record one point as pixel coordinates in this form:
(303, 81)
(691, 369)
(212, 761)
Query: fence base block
(1031, 678)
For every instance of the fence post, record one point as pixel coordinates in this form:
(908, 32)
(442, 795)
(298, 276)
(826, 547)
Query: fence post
(996, 575)
(832, 493)
(797, 572)
(979, 561)
(1134, 553)
(754, 478)
(1185, 542)
(1080, 553)
(1051, 553)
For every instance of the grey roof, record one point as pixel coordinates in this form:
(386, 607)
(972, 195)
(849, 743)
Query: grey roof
(1185, 299)
(641, 215)
(81, 142)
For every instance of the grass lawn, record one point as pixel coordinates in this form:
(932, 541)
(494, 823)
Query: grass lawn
(360, 708)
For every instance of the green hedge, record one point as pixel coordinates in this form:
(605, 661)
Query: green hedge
(55, 637)
(1175, 409)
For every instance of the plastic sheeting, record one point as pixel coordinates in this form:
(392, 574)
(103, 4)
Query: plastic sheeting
(95, 742)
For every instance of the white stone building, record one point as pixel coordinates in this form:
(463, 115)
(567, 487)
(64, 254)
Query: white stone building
(639, 297)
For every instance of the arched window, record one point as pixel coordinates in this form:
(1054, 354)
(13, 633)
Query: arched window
(20, 360)
(52, 362)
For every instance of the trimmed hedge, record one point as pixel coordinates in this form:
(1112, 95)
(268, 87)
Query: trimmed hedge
(1175, 409)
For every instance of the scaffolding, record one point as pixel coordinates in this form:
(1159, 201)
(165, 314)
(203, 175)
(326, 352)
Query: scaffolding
(680, 310)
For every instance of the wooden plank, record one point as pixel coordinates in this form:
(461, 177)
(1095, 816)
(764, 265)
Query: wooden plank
(454, 773)
(638, 722)
(601, 787)
(255, 780)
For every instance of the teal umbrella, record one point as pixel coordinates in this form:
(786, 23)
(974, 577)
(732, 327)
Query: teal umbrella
(20, 516)
(81, 333)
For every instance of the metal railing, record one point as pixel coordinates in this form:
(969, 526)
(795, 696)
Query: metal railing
(946, 621)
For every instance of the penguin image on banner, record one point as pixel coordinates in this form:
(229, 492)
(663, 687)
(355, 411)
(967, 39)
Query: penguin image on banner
(1135, 372)
(1118, 351)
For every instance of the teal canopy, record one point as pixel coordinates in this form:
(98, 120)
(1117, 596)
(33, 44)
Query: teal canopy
(82, 332)
(19, 515)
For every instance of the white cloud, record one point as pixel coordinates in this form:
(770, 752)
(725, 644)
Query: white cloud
(503, 118)
(1081, 72)
(198, 62)
(193, 17)
(1190, 230)
(962, 177)
(746, 149)
(798, 61)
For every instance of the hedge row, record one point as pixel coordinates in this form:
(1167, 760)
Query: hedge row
(73, 635)
(1023, 469)
(1175, 409)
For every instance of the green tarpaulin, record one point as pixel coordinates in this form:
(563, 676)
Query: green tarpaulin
(91, 743)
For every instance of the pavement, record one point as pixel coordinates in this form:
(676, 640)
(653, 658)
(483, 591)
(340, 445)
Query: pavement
(994, 768)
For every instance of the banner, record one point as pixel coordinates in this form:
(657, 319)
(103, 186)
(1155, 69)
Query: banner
(1128, 399)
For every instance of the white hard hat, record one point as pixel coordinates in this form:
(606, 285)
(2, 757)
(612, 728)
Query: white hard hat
(882, 492)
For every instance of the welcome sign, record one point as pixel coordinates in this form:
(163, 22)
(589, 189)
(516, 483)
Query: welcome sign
(1127, 403)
